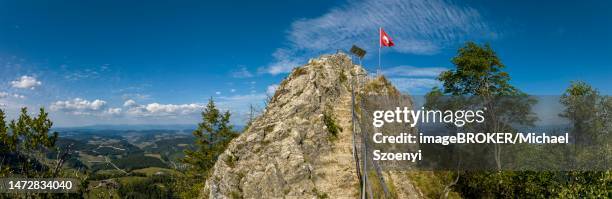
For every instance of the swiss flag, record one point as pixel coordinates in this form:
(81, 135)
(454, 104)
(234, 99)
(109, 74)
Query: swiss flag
(385, 40)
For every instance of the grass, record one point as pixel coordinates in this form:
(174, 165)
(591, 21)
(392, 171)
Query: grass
(153, 155)
(331, 125)
(432, 184)
(269, 128)
(235, 195)
(342, 77)
(320, 195)
(87, 159)
(130, 179)
(299, 71)
(379, 85)
(100, 192)
(377, 188)
(153, 170)
(108, 172)
(231, 161)
(391, 186)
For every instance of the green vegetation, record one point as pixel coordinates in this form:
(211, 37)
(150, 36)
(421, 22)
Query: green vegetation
(23, 143)
(589, 113)
(115, 164)
(138, 161)
(377, 187)
(213, 135)
(156, 186)
(235, 195)
(320, 195)
(433, 184)
(381, 86)
(23, 146)
(150, 171)
(153, 165)
(330, 123)
(479, 73)
(299, 71)
(342, 77)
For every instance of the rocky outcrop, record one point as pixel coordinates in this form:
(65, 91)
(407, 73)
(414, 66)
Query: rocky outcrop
(290, 150)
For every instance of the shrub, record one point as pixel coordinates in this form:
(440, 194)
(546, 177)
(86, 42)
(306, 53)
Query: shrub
(331, 125)
(299, 71)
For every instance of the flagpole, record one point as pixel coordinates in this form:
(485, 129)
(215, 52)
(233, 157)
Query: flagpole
(379, 47)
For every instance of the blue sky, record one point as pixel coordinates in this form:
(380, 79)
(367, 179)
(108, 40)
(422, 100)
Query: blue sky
(119, 62)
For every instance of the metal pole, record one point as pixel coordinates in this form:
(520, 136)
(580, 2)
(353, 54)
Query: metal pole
(354, 129)
(379, 47)
(364, 173)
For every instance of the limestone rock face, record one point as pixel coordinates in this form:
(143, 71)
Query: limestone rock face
(288, 150)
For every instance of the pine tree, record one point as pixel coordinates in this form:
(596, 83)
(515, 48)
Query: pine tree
(24, 142)
(213, 135)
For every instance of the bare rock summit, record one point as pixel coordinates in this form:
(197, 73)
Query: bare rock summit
(301, 145)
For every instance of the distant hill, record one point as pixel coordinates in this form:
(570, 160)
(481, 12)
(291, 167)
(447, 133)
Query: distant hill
(136, 127)
(124, 127)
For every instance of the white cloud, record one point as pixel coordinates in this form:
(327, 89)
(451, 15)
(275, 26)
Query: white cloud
(15, 95)
(26, 82)
(84, 74)
(414, 80)
(284, 61)
(113, 111)
(173, 109)
(236, 100)
(79, 106)
(415, 85)
(129, 103)
(416, 26)
(242, 73)
(271, 89)
(232, 90)
(411, 71)
(133, 112)
(218, 92)
(238, 105)
(137, 96)
(158, 110)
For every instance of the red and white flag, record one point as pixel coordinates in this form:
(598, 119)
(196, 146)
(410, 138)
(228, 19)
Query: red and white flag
(385, 40)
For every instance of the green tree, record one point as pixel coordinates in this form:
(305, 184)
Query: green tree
(24, 142)
(479, 74)
(478, 80)
(588, 111)
(213, 135)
